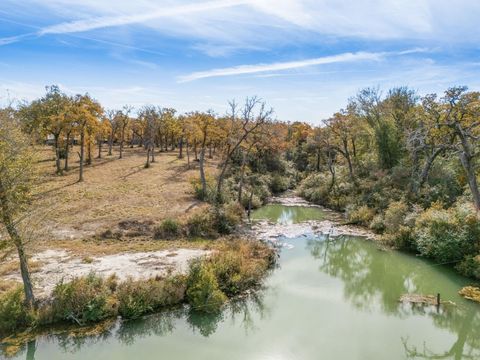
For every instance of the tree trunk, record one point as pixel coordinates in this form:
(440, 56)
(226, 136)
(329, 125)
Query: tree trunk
(349, 161)
(426, 170)
(100, 141)
(188, 155)
(82, 151)
(31, 349)
(17, 240)
(147, 164)
(317, 166)
(180, 148)
(467, 163)
(466, 157)
(195, 149)
(89, 151)
(331, 168)
(57, 154)
(110, 143)
(210, 156)
(221, 178)
(354, 147)
(250, 204)
(242, 175)
(121, 143)
(67, 145)
(202, 172)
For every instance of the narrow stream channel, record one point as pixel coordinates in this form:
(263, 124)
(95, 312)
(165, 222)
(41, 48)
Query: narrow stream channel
(334, 299)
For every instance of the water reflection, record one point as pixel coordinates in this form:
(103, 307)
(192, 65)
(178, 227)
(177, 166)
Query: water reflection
(159, 324)
(241, 310)
(321, 289)
(376, 279)
(287, 215)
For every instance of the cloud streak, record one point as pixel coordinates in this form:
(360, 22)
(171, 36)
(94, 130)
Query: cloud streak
(110, 21)
(279, 66)
(101, 22)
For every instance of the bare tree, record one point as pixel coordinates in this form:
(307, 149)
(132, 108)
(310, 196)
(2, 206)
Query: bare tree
(124, 120)
(242, 123)
(112, 117)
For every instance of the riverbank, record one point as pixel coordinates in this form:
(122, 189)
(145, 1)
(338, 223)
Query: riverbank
(236, 266)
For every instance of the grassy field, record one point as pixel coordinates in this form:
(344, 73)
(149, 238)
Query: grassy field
(114, 191)
(119, 196)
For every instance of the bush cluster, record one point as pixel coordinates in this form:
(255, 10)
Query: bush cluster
(137, 297)
(238, 266)
(13, 313)
(436, 222)
(168, 229)
(84, 300)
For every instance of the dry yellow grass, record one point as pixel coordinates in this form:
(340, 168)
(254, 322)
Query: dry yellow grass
(95, 247)
(71, 216)
(114, 190)
(10, 266)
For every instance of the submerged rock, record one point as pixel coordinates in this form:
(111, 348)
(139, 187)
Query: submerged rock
(429, 300)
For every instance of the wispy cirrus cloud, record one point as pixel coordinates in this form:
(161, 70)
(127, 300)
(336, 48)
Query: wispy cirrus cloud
(122, 20)
(279, 66)
(100, 22)
(14, 39)
(219, 27)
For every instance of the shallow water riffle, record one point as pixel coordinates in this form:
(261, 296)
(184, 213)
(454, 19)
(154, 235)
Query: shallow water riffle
(328, 299)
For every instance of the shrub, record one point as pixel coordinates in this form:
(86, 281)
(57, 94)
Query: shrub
(136, 298)
(361, 215)
(403, 238)
(234, 212)
(377, 224)
(447, 235)
(279, 184)
(395, 216)
(241, 265)
(256, 201)
(203, 292)
(470, 266)
(83, 300)
(315, 188)
(13, 313)
(168, 229)
(226, 218)
(199, 225)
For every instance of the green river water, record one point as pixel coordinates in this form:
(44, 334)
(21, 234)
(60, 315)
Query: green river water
(333, 300)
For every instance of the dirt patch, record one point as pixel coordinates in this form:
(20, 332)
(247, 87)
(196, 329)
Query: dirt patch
(60, 264)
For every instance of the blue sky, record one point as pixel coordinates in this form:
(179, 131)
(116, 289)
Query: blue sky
(304, 57)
